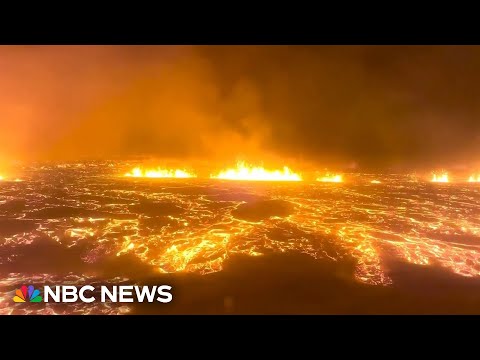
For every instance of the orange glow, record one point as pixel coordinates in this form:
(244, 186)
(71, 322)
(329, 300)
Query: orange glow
(245, 171)
(474, 178)
(375, 182)
(5, 178)
(331, 178)
(443, 178)
(159, 173)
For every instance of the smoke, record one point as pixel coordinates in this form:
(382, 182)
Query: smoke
(363, 105)
(89, 102)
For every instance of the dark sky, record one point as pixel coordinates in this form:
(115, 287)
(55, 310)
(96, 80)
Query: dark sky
(374, 106)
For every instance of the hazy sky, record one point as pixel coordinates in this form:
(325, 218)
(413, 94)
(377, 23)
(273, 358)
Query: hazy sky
(368, 105)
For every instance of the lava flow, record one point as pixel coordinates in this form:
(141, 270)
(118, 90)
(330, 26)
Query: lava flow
(331, 178)
(97, 220)
(245, 171)
(159, 173)
(9, 179)
(474, 178)
(443, 178)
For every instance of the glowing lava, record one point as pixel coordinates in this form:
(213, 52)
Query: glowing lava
(443, 178)
(245, 171)
(474, 178)
(159, 173)
(331, 178)
(10, 179)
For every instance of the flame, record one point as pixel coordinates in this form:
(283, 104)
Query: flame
(159, 173)
(331, 178)
(361, 224)
(443, 178)
(9, 179)
(245, 171)
(474, 178)
(375, 182)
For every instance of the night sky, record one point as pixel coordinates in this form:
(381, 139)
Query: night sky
(359, 106)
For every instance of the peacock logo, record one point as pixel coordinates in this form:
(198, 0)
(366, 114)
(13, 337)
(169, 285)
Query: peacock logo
(33, 295)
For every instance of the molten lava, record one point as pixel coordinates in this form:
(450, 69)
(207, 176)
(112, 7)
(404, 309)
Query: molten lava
(443, 178)
(159, 173)
(474, 178)
(331, 178)
(370, 227)
(245, 171)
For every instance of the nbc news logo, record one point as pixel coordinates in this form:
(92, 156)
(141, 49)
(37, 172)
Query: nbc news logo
(29, 294)
(70, 294)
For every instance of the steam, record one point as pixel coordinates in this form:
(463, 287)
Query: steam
(330, 105)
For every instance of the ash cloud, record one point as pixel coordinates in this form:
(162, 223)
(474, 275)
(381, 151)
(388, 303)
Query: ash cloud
(375, 106)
